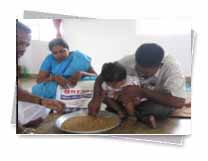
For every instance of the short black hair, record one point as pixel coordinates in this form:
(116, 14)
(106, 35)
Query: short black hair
(113, 72)
(149, 55)
(58, 42)
(22, 27)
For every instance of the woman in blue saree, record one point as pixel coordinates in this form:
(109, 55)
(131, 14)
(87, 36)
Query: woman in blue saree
(62, 67)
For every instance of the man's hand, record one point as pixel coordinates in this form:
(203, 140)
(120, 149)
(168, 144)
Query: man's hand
(137, 101)
(94, 106)
(54, 105)
(62, 81)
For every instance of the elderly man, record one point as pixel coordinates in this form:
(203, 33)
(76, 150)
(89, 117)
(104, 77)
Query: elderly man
(162, 84)
(27, 101)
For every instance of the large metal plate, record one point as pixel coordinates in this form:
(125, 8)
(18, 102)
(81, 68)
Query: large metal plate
(65, 117)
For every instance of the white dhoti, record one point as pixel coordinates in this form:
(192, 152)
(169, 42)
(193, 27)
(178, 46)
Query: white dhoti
(29, 112)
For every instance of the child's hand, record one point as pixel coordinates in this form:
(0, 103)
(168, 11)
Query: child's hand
(94, 107)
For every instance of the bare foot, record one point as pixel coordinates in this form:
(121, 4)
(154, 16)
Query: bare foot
(150, 121)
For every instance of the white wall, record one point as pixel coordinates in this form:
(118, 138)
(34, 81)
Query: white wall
(103, 40)
(108, 40)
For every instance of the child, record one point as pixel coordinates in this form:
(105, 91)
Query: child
(115, 78)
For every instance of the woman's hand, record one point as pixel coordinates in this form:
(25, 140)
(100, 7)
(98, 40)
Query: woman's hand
(72, 82)
(75, 78)
(43, 77)
(58, 106)
(61, 81)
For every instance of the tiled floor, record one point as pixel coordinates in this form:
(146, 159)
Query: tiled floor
(179, 126)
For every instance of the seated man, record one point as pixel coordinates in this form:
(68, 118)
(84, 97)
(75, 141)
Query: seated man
(162, 83)
(27, 100)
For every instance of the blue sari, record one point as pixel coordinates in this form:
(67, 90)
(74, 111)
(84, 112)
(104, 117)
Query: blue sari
(75, 62)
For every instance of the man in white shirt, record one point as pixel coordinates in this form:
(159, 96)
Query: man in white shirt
(161, 80)
(162, 83)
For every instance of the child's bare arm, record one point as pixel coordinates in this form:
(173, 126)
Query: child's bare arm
(94, 104)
